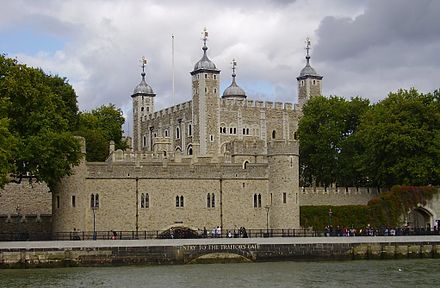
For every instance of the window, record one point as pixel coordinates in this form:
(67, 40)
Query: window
(142, 201)
(179, 201)
(314, 82)
(145, 141)
(295, 135)
(257, 200)
(190, 150)
(206, 90)
(235, 130)
(208, 200)
(247, 131)
(189, 129)
(215, 77)
(142, 109)
(166, 132)
(245, 164)
(206, 76)
(211, 138)
(284, 197)
(177, 132)
(215, 89)
(147, 200)
(213, 200)
(73, 201)
(273, 134)
(94, 200)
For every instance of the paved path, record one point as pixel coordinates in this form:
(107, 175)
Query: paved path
(181, 242)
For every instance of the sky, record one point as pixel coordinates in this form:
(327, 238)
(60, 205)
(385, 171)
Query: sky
(364, 48)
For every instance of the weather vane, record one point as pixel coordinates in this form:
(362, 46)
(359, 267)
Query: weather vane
(308, 43)
(204, 35)
(234, 63)
(144, 62)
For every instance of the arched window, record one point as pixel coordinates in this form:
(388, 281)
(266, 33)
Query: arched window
(92, 200)
(208, 200)
(142, 200)
(259, 200)
(255, 201)
(245, 164)
(181, 201)
(166, 132)
(190, 150)
(177, 133)
(273, 134)
(147, 200)
(213, 200)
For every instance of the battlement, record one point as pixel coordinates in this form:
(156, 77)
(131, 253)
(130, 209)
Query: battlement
(257, 104)
(169, 110)
(336, 196)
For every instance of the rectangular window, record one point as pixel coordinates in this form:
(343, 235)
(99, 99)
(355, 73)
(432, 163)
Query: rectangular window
(73, 201)
(284, 197)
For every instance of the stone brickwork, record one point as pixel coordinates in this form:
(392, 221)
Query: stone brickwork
(336, 196)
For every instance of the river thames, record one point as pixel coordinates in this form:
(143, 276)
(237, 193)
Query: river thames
(369, 273)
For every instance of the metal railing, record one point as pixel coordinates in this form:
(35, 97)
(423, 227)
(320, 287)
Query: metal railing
(192, 234)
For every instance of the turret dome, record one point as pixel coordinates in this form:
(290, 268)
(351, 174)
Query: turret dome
(234, 91)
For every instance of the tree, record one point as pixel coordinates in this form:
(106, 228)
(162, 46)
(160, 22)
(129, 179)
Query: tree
(99, 127)
(328, 146)
(401, 136)
(37, 116)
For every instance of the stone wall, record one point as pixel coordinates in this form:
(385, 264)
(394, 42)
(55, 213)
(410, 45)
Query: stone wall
(339, 196)
(119, 252)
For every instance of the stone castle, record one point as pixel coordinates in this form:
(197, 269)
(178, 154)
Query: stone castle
(219, 159)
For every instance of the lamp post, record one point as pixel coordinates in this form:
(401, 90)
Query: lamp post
(94, 222)
(18, 210)
(330, 214)
(267, 207)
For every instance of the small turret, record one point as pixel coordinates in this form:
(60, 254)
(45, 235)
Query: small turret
(309, 82)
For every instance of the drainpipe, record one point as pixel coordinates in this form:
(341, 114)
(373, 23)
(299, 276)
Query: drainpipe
(137, 206)
(221, 204)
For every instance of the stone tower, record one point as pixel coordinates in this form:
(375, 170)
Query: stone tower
(143, 105)
(206, 104)
(309, 82)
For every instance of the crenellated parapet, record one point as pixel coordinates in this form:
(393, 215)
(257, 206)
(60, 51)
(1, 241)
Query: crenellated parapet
(337, 196)
(226, 103)
(169, 111)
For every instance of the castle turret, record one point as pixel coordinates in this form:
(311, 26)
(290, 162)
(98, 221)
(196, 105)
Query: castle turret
(206, 106)
(309, 82)
(143, 105)
(234, 91)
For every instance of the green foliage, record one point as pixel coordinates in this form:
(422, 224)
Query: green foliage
(38, 113)
(385, 210)
(328, 146)
(99, 127)
(401, 139)
(317, 217)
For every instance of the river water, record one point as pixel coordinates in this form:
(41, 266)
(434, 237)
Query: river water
(387, 273)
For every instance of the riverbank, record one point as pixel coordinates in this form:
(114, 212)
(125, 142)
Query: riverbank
(216, 250)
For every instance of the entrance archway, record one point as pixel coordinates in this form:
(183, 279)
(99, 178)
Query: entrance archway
(420, 218)
(179, 232)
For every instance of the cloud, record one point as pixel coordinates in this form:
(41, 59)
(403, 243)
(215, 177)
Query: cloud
(362, 48)
(393, 44)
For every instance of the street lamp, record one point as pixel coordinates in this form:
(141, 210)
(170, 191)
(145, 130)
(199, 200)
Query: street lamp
(94, 221)
(18, 210)
(267, 207)
(330, 214)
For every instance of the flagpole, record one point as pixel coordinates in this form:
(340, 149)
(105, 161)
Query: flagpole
(172, 66)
